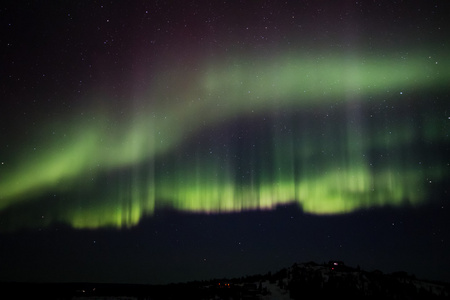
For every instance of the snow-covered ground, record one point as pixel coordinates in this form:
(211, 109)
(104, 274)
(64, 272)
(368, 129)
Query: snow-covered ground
(275, 292)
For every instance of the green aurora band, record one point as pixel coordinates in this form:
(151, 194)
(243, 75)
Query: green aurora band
(313, 131)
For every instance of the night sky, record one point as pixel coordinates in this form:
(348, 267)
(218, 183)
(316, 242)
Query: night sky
(167, 141)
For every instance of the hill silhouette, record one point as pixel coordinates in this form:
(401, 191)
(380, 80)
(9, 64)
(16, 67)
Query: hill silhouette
(299, 281)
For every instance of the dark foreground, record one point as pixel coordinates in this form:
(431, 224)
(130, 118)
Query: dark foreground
(300, 281)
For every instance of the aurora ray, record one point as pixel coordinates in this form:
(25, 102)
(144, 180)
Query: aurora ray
(327, 164)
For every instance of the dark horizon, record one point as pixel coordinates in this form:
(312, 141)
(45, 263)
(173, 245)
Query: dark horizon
(226, 246)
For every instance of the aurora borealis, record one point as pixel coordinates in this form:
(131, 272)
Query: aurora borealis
(343, 179)
(121, 117)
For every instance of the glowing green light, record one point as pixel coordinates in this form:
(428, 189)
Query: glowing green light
(326, 170)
